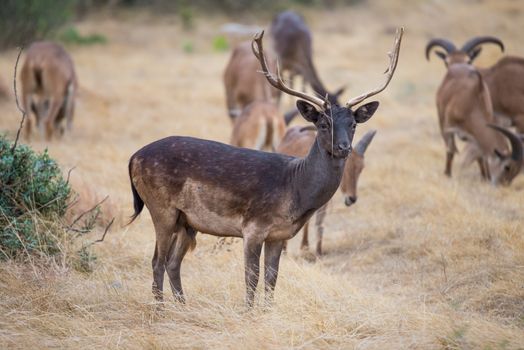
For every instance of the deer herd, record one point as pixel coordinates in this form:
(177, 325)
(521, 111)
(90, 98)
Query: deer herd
(270, 181)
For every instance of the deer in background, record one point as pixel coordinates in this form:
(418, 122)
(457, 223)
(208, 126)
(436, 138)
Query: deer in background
(243, 84)
(292, 42)
(257, 123)
(465, 108)
(49, 87)
(296, 143)
(260, 126)
(191, 185)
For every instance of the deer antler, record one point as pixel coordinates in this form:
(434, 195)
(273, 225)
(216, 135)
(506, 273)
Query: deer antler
(277, 82)
(393, 59)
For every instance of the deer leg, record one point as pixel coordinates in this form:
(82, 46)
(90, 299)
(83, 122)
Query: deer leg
(26, 100)
(319, 221)
(51, 117)
(252, 249)
(164, 229)
(183, 241)
(304, 245)
(69, 106)
(272, 251)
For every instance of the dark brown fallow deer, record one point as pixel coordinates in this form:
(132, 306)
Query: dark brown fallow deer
(49, 87)
(191, 185)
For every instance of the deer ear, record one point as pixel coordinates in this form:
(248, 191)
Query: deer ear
(308, 111)
(363, 113)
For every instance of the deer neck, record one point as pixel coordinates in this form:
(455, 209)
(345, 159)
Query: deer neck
(316, 178)
(312, 77)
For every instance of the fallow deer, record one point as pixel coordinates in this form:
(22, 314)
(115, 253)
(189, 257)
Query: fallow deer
(296, 143)
(242, 82)
(260, 126)
(292, 42)
(465, 108)
(49, 87)
(191, 185)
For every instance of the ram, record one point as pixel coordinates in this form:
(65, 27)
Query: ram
(505, 79)
(465, 108)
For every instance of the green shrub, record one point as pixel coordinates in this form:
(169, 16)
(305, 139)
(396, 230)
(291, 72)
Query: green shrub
(23, 21)
(72, 36)
(220, 43)
(187, 17)
(188, 47)
(34, 198)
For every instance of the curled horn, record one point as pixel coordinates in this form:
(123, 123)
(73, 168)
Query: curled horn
(443, 43)
(364, 142)
(472, 43)
(516, 144)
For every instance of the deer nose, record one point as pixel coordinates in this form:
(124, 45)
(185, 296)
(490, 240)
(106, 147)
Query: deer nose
(350, 200)
(344, 146)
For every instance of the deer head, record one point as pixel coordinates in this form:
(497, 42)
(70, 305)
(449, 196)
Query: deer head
(335, 124)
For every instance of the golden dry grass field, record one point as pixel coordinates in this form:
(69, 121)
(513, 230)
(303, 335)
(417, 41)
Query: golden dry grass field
(419, 262)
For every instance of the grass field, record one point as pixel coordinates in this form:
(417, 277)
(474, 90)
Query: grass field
(420, 261)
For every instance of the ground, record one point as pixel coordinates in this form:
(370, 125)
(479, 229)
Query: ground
(420, 261)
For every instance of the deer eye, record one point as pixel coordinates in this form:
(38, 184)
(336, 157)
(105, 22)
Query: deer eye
(507, 168)
(323, 126)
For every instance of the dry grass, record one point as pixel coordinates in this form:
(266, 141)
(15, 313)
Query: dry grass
(421, 261)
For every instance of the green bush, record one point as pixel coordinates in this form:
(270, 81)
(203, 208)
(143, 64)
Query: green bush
(23, 21)
(34, 198)
(33, 195)
(220, 43)
(72, 36)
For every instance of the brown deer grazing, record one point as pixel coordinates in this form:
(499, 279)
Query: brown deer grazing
(260, 126)
(191, 185)
(293, 45)
(243, 84)
(297, 141)
(48, 88)
(464, 108)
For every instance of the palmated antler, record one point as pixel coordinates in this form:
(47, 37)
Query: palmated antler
(393, 60)
(277, 82)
